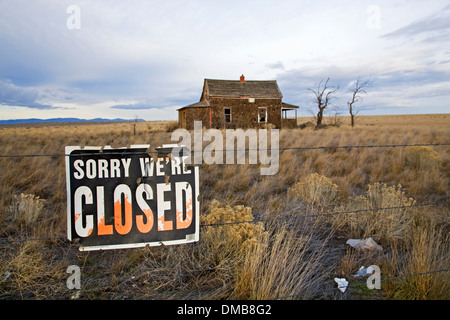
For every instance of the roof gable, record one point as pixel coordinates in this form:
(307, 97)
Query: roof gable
(236, 89)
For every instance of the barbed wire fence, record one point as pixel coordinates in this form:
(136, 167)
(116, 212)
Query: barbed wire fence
(8, 240)
(125, 152)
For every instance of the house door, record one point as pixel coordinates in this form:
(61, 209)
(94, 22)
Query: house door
(262, 114)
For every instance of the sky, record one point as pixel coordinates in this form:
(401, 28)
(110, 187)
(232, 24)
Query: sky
(146, 58)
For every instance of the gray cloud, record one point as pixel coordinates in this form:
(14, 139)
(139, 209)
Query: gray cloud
(390, 92)
(177, 99)
(436, 27)
(146, 56)
(13, 95)
(133, 106)
(275, 65)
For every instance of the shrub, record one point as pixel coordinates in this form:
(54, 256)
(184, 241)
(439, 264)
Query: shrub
(386, 225)
(26, 208)
(238, 235)
(423, 158)
(316, 190)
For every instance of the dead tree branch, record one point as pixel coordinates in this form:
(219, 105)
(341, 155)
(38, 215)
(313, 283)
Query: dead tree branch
(356, 92)
(322, 97)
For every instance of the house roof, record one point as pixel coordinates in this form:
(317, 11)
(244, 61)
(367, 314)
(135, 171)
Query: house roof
(236, 88)
(288, 106)
(200, 104)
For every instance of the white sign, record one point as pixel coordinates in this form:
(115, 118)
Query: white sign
(123, 198)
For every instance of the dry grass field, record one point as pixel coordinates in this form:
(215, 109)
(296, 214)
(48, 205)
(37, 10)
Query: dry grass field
(293, 255)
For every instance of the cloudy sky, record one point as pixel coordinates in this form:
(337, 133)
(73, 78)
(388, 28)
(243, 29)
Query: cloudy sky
(147, 58)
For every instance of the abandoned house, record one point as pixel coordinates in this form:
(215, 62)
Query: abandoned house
(239, 104)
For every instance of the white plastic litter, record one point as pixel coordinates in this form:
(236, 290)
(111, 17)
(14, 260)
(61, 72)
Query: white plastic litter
(364, 272)
(365, 244)
(76, 295)
(354, 243)
(6, 275)
(342, 284)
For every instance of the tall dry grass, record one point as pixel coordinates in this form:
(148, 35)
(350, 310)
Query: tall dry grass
(426, 249)
(297, 256)
(283, 263)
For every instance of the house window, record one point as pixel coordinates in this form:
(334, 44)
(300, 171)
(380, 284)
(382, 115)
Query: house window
(227, 113)
(262, 114)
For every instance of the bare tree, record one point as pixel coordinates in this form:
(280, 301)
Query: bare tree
(322, 97)
(356, 91)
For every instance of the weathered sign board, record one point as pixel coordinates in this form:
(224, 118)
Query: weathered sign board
(124, 198)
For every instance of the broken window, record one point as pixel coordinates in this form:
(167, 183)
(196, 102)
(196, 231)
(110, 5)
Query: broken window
(227, 113)
(262, 114)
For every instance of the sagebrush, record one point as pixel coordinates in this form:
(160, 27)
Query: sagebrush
(286, 254)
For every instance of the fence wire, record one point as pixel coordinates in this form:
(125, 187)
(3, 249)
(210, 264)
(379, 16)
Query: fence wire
(9, 241)
(125, 152)
(325, 214)
(297, 217)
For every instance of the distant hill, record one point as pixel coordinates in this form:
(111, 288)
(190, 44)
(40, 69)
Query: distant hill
(35, 120)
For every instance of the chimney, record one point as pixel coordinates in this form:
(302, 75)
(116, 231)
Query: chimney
(242, 79)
